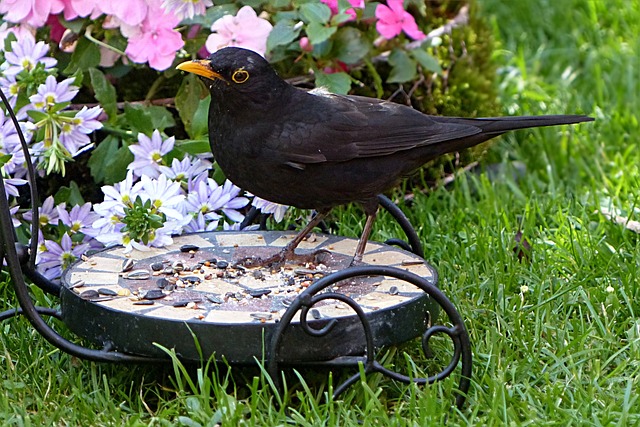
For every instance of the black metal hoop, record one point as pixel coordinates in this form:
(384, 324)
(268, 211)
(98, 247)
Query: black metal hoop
(315, 293)
(20, 260)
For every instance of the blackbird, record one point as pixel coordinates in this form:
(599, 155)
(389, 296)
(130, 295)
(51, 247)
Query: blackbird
(316, 150)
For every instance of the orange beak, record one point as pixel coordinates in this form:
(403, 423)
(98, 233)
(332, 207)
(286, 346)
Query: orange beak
(200, 67)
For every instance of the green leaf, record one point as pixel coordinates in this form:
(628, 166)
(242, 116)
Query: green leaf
(161, 117)
(284, 32)
(403, 67)
(117, 167)
(86, 55)
(194, 146)
(74, 25)
(188, 99)
(318, 32)
(137, 119)
(315, 12)
(11, 37)
(428, 61)
(377, 80)
(101, 157)
(37, 115)
(4, 159)
(200, 124)
(104, 92)
(71, 195)
(147, 118)
(334, 82)
(350, 45)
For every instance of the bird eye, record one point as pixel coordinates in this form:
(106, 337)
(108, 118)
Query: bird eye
(240, 76)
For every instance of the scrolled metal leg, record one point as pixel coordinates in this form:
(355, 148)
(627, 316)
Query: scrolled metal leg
(316, 293)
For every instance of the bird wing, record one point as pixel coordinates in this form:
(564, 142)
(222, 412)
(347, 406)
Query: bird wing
(336, 128)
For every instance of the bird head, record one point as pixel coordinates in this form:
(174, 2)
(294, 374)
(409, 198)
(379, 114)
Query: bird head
(231, 72)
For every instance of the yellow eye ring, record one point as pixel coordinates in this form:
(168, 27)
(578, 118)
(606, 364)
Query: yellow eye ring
(240, 76)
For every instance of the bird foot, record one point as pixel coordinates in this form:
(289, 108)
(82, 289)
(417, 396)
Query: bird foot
(355, 262)
(279, 259)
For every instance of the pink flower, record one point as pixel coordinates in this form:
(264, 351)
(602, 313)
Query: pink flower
(20, 31)
(155, 40)
(82, 8)
(393, 19)
(130, 12)
(243, 30)
(32, 12)
(333, 5)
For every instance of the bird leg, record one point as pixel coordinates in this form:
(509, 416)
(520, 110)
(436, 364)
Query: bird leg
(288, 252)
(364, 237)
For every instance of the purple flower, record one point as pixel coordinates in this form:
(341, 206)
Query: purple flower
(48, 213)
(186, 8)
(79, 220)
(393, 19)
(209, 199)
(186, 170)
(51, 93)
(73, 134)
(116, 198)
(10, 144)
(10, 186)
(165, 195)
(268, 207)
(243, 30)
(148, 154)
(15, 221)
(25, 54)
(10, 87)
(57, 257)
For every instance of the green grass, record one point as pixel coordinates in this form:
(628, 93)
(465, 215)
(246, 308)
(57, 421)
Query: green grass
(556, 339)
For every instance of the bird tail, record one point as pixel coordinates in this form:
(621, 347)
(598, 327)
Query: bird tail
(499, 125)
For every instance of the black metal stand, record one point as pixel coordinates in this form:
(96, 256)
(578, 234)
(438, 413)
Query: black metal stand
(20, 262)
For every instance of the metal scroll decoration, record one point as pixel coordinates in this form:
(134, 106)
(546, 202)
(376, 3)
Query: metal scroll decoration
(20, 263)
(317, 293)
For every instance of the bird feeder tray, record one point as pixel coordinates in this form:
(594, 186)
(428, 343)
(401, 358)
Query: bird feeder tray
(194, 297)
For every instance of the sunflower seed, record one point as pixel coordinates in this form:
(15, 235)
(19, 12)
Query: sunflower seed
(189, 248)
(90, 294)
(137, 275)
(127, 265)
(157, 266)
(257, 293)
(216, 299)
(154, 294)
(261, 316)
(194, 280)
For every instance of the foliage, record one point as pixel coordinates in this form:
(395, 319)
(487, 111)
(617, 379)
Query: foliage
(97, 86)
(556, 338)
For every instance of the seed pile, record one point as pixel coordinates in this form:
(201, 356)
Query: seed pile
(193, 279)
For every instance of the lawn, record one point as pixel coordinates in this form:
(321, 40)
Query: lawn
(556, 336)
